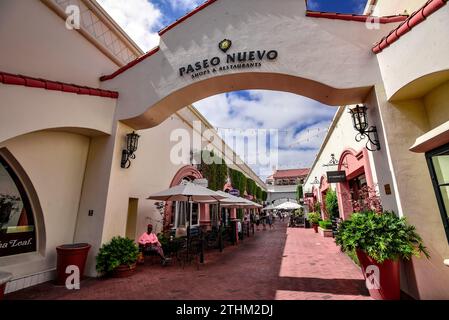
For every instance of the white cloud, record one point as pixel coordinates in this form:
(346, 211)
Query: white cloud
(302, 123)
(138, 18)
(184, 4)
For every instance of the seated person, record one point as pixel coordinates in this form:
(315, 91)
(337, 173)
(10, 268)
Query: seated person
(148, 242)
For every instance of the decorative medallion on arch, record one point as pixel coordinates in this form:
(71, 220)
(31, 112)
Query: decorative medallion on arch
(188, 173)
(21, 220)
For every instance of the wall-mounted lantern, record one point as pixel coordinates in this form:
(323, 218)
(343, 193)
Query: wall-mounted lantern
(315, 181)
(360, 122)
(131, 147)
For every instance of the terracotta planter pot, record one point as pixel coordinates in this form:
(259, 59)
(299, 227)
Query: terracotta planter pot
(70, 254)
(124, 270)
(315, 227)
(386, 285)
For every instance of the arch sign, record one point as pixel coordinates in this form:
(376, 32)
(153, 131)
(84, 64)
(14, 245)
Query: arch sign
(230, 61)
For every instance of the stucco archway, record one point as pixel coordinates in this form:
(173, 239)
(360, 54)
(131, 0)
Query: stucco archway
(327, 61)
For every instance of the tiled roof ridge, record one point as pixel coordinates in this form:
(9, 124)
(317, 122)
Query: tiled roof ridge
(21, 80)
(415, 18)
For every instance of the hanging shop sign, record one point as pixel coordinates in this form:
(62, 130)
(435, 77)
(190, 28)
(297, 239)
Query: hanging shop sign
(336, 176)
(308, 195)
(230, 61)
(234, 192)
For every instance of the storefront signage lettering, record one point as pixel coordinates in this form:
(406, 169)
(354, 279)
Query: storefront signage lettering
(336, 176)
(17, 243)
(231, 61)
(234, 192)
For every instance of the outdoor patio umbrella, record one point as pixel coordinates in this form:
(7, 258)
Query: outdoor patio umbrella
(187, 192)
(288, 206)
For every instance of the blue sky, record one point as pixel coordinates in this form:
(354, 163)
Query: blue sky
(301, 123)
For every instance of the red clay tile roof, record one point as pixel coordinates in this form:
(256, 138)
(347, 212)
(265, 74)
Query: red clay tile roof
(291, 173)
(355, 17)
(415, 18)
(21, 80)
(129, 65)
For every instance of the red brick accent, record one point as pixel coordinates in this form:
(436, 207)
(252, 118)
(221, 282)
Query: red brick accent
(416, 18)
(355, 17)
(20, 80)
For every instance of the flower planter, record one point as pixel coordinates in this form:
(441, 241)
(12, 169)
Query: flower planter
(327, 233)
(315, 227)
(70, 254)
(389, 286)
(124, 270)
(4, 278)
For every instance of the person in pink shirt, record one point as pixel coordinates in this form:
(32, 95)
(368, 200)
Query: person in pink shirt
(148, 242)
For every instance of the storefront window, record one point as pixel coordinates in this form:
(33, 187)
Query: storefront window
(17, 229)
(181, 214)
(438, 161)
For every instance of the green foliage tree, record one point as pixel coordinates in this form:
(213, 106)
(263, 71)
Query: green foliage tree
(299, 193)
(214, 169)
(331, 202)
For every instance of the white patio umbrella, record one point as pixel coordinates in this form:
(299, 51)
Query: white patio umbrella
(187, 192)
(288, 206)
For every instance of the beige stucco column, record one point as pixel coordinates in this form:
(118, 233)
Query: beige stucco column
(402, 123)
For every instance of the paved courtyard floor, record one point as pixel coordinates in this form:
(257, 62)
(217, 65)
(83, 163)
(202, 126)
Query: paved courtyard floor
(284, 263)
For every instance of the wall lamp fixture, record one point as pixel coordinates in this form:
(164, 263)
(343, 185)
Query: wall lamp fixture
(360, 122)
(131, 147)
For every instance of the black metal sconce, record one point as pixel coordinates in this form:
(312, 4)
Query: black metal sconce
(315, 181)
(131, 147)
(360, 122)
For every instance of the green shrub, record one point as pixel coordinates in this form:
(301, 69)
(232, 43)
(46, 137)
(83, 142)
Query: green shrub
(381, 236)
(119, 251)
(314, 217)
(326, 224)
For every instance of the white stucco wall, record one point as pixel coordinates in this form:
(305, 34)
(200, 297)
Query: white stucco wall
(427, 54)
(35, 42)
(394, 7)
(55, 163)
(24, 110)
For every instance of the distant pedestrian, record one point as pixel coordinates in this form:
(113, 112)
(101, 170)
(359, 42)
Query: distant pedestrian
(257, 218)
(270, 220)
(264, 222)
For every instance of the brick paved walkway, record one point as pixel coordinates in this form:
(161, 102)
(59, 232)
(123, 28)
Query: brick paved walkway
(284, 263)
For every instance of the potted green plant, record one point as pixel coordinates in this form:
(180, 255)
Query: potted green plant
(380, 240)
(117, 257)
(325, 228)
(314, 218)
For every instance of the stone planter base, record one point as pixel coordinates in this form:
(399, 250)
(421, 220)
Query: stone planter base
(327, 233)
